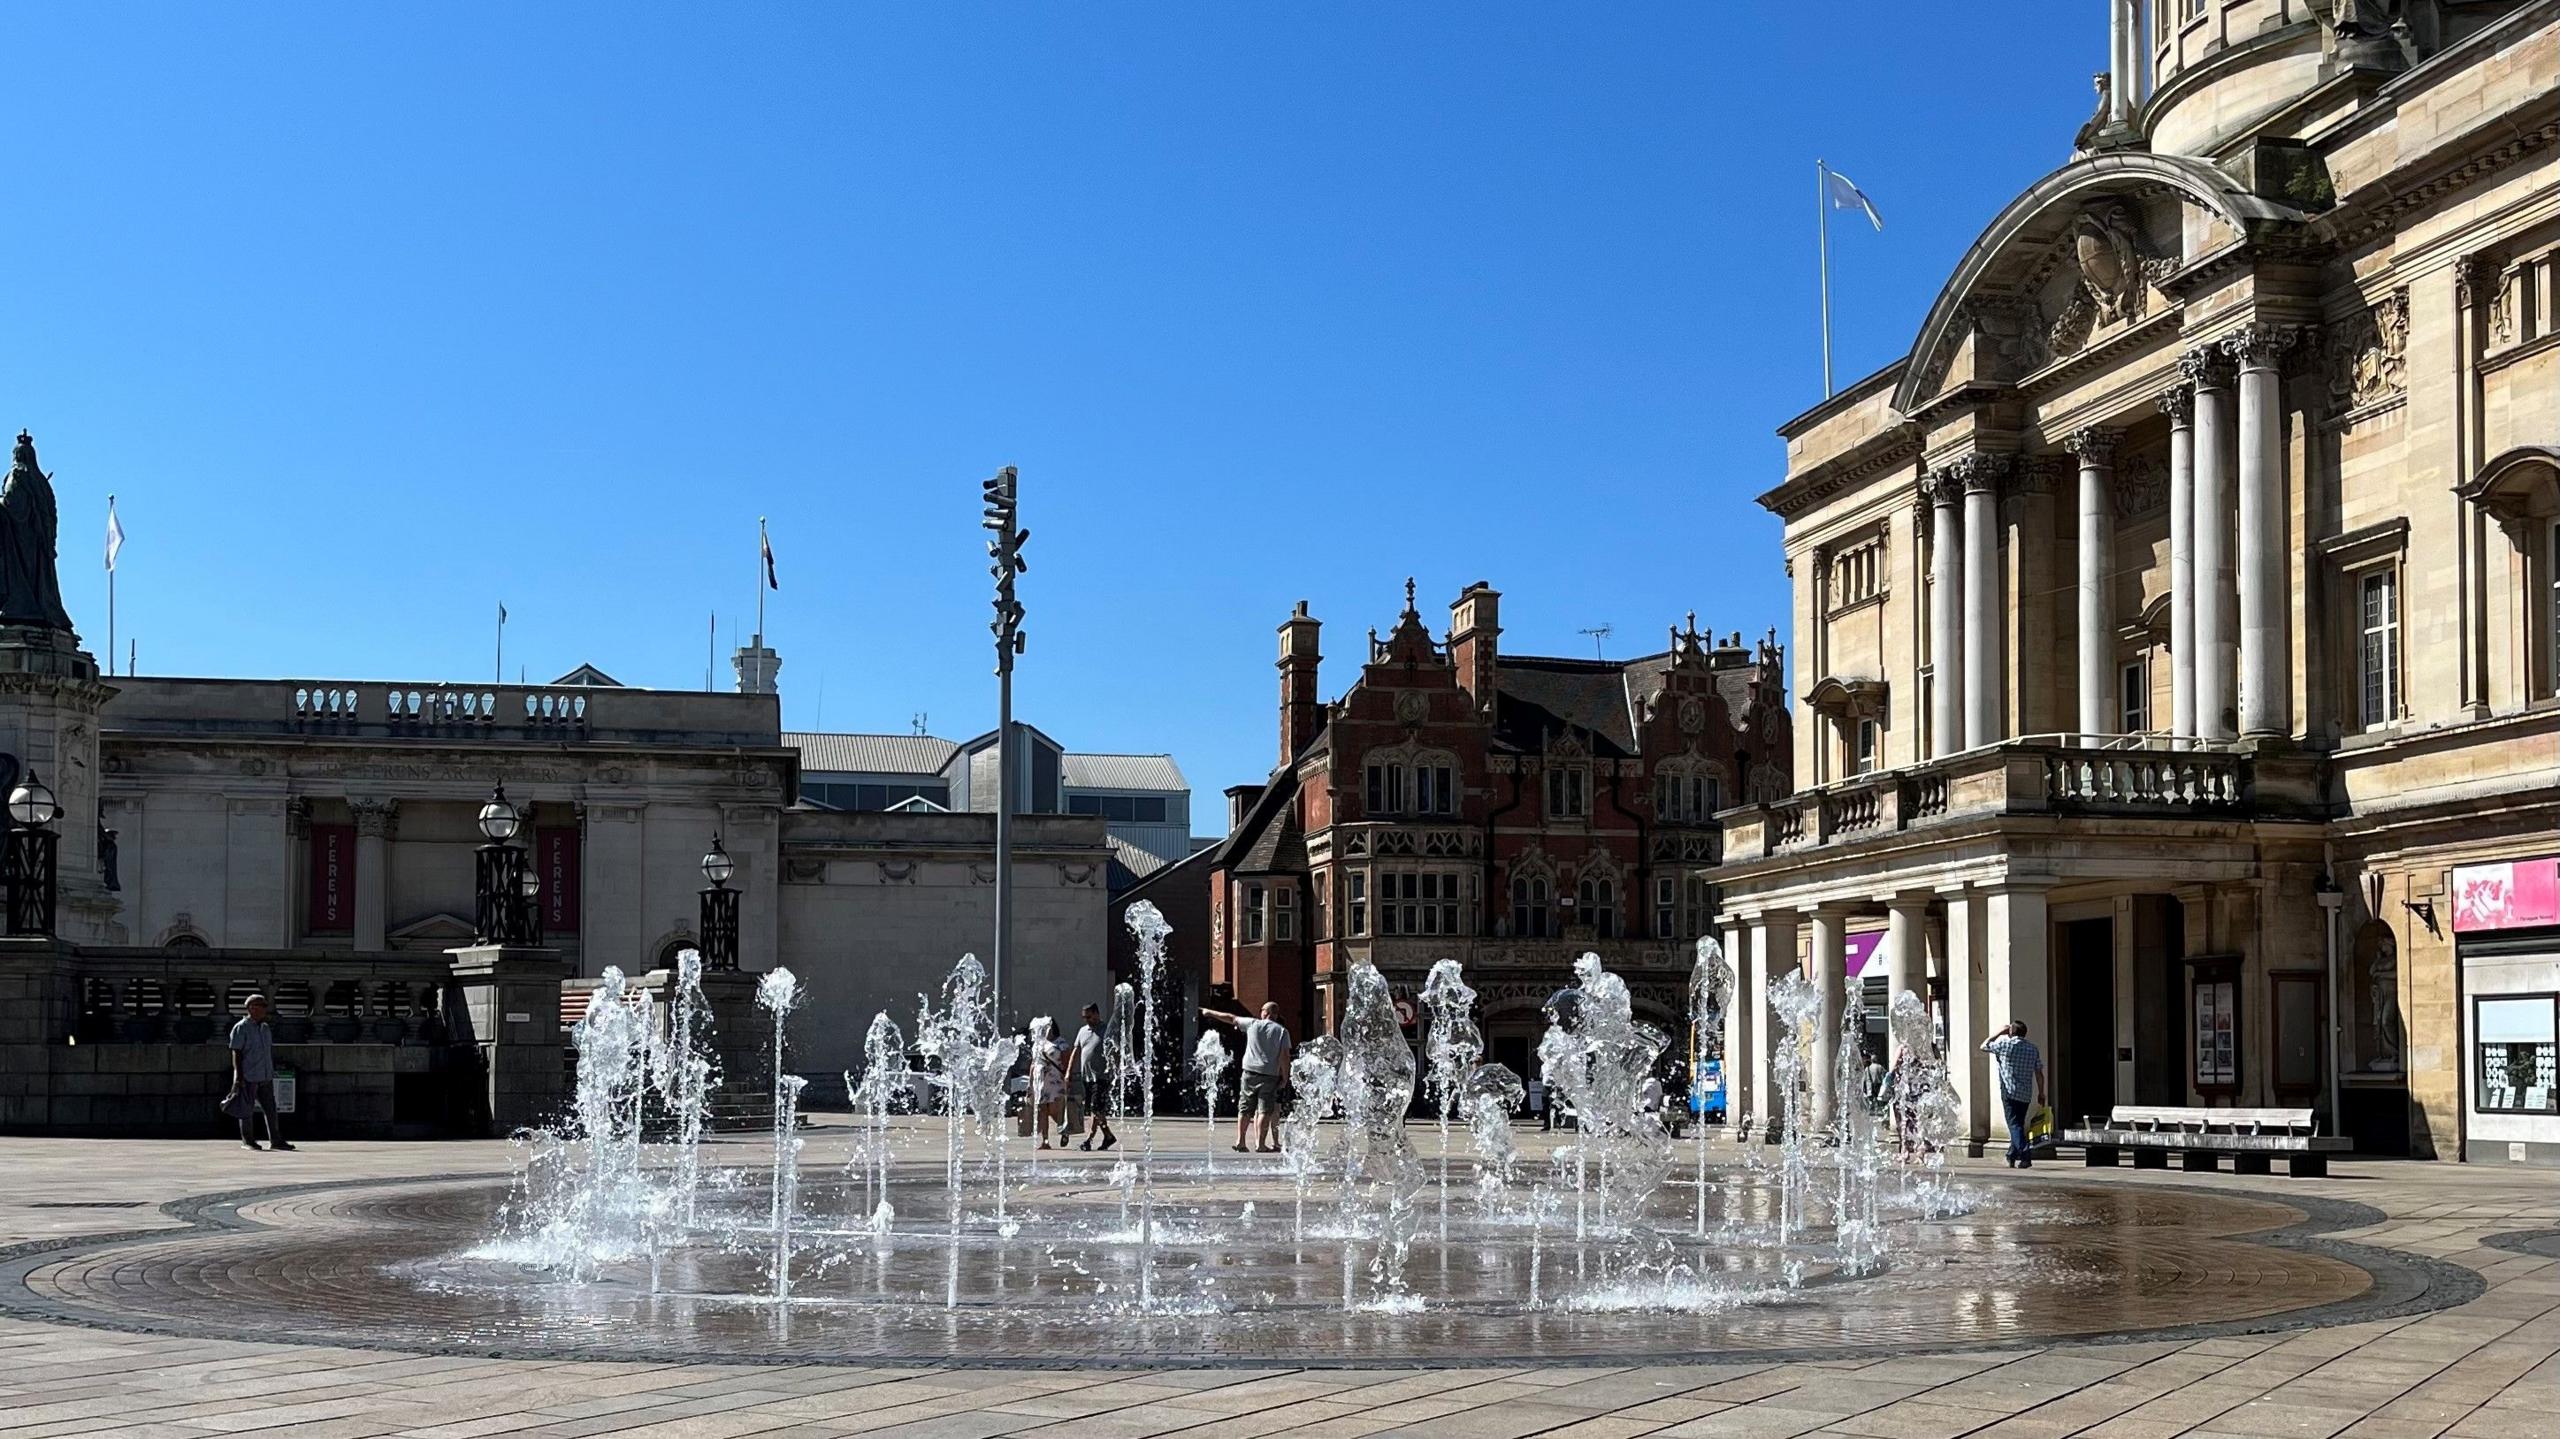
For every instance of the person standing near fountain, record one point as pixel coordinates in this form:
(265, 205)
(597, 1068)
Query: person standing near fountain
(1266, 1064)
(1089, 1070)
(253, 1072)
(2021, 1068)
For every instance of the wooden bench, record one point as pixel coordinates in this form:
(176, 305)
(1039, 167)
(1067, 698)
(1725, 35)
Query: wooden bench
(2201, 1137)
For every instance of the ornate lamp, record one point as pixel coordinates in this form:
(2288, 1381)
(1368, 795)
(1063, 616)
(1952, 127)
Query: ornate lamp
(27, 862)
(719, 910)
(502, 897)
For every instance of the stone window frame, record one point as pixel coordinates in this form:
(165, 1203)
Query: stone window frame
(1439, 894)
(1856, 569)
(1568, 790)
(1401, 767)
(2351, 559)
(1256, 920)
(2518, 491)
(1680, 778)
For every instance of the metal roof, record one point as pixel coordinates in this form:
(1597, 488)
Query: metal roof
(869, 753)
(1122, 771)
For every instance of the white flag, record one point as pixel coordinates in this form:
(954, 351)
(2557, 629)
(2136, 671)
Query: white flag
(1846, 196)
(115, 534)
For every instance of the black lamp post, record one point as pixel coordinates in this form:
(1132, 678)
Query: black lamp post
(529, 889)
(1003, 518)
(27, 864)
(502, 910)
(719, 910)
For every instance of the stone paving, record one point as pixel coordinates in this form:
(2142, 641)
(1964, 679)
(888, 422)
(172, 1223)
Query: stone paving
(2488, 1367)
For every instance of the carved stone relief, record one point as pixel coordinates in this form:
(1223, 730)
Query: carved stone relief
(2115, 271)
(2142, 486)
(2367, 354)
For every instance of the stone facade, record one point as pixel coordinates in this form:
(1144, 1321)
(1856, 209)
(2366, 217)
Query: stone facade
(2195, 571)
(1507, 811)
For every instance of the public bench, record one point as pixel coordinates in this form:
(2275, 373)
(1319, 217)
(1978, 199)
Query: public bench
(2201, 1137)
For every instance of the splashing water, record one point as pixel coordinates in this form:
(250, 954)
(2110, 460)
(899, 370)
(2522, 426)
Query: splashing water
(777, 994)
(1493, 1095)
(1381, 1176)
(1795, 1007)
(1315, 1073)
(1710, 988)
(1454, 1045)
(1147, 924)
(1209, 1060)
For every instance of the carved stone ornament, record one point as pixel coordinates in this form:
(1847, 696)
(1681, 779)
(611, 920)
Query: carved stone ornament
(1413, 707)
(1693, 715)
(2178, 402)
(2039, 475)
(903, 871)
(2468, 270)
(803, 871)
(2142, 486)
(2368, 354)
(1076, 875)
(2116, 272)
(378, 818)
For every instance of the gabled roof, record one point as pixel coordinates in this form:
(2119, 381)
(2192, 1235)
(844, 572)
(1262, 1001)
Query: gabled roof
(1276, 805)
(1197, 863)
(591, 676)
(915, 754)
(1122, 771)
(1537, 696)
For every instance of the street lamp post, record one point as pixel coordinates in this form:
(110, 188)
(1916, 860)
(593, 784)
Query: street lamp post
(1003, 514)
(27, 863)
(719, 910)
(499, 902)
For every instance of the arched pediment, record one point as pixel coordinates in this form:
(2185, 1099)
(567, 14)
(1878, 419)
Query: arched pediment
(2112, 217)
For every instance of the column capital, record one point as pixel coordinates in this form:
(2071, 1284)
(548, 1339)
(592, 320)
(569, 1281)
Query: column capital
(1910, 899)
(2095, 446)
(2260, 347)
(376, 818)
(1978, 472)
(2470, 272)
(2178, 402)
(2206, 367)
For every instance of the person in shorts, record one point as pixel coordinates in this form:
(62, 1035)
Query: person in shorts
(1266, 1066)
(1089, 1071)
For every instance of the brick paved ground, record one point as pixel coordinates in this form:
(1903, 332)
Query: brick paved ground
(2490, 1367)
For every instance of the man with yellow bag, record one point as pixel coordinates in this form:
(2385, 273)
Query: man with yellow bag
(2021, 1070)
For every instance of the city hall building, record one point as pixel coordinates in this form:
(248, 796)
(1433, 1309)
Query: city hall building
(2176, 623)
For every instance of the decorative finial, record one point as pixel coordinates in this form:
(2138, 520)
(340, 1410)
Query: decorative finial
(1408, 594)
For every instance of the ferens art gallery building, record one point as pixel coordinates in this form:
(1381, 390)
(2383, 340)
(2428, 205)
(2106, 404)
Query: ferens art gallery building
(2177, 636)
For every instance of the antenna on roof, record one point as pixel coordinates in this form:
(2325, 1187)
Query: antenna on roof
(919, 722)
(1599, 635)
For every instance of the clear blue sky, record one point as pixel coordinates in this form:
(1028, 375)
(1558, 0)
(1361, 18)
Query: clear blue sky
(375, 316)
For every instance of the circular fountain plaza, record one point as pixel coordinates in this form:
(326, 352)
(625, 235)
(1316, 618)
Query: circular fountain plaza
(1451, 1238)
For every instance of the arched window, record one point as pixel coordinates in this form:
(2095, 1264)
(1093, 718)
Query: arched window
(1599, 905)
(1529, 912)
(1407, 780)
(2520, 491)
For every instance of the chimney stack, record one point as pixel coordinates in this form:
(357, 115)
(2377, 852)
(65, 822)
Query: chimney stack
(1475, 623)
(1240, 802)
(1299, 707)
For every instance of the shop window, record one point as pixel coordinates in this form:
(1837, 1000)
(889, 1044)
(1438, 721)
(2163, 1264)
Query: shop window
(2513, 1037)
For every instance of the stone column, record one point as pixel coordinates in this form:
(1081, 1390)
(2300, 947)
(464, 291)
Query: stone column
(2266, 656)
(2216, 640)
(1774, 955)
(1741, 1022)
(1826, 964)
(1946, 614)
(1905, 961)
(2178, 403)
(2018, 971)
(376, 821)
(1980, 476)
(2096, 646)
(1966, 1028)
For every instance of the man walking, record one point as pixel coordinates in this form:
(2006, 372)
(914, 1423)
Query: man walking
(2021, 1070)
(1266, 1064)
(1090, 1072)
(253, 1075)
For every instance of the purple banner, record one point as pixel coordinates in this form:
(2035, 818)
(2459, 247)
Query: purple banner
(1864, 947)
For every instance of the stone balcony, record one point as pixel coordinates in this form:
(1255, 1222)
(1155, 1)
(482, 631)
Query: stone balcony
(2041, 775)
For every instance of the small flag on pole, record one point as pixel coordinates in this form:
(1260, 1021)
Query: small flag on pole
(115, 534)
(1847, 196)
(502, 612)
(767, 541)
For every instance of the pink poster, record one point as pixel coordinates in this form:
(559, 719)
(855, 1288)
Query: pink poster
(2516, 895)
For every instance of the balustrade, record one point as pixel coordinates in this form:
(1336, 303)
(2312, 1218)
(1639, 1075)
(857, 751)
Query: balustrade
(406, 709)
(2134, 780)
(193, 997)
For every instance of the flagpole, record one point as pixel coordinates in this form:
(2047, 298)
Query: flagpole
(112, 547)
(762, 545)
(498, 672)
(1822, 212)
(710, 650)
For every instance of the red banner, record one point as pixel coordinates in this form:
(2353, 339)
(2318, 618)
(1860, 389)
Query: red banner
(555, 855)
(333, 879)
(2521, 895)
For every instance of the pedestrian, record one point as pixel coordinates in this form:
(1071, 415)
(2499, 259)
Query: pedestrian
(1266, 1064)
(2021, 1085)
(1538, 1103)
(253, 1075)
(1049, 1086)
(1902, 1089)
(1088, 1070)
(1875, 1083)
(1651, 1098)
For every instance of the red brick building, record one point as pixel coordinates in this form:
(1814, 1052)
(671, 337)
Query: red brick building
(1506, 811)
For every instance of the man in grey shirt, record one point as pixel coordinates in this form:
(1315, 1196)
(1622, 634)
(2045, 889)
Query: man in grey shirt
(1266, 1063)
(253, 1074)
(1089, 1077)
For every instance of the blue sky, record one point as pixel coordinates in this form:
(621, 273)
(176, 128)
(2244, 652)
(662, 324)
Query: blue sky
(375, 316)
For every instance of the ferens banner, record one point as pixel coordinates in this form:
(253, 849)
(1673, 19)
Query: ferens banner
(333, 879)
(555, 856)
